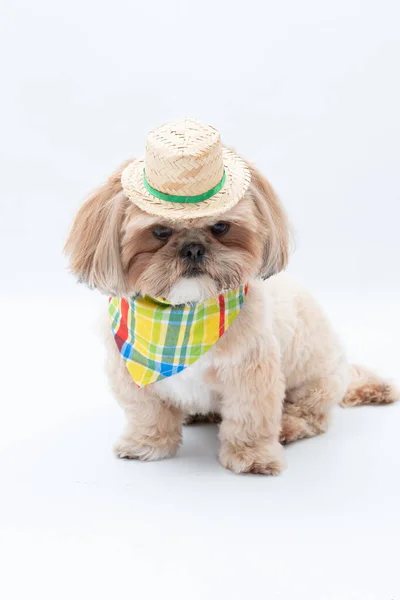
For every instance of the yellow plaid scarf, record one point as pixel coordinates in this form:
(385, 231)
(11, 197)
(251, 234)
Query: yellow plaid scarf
(158, 340)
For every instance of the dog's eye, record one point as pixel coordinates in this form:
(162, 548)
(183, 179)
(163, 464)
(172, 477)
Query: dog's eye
(219, 228)
(162, 233)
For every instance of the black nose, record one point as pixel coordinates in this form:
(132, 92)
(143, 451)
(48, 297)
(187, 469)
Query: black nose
(193, 252)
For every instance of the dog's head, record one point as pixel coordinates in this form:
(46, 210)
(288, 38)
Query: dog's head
(116, 247)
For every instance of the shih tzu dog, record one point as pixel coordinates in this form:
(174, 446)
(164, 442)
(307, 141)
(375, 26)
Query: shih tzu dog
(190, 242)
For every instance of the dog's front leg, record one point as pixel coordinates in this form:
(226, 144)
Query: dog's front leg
(153, 431)
(251, 410)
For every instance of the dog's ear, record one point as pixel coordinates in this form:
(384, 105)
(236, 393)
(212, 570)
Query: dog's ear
(93, 244)
(274, 225)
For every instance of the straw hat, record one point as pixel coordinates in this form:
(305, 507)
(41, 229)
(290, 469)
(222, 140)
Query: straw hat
(186, 173)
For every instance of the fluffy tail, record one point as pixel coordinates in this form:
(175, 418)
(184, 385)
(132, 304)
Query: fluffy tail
(366, 387)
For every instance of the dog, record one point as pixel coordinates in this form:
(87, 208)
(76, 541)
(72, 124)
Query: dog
(279, 369)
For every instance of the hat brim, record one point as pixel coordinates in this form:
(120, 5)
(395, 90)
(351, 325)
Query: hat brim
(235, 186)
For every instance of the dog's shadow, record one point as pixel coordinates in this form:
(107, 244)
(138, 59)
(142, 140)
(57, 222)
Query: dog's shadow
(200, 442)
(81, 450)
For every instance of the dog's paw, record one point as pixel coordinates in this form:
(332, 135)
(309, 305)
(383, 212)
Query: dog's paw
(127, 448)
(266, 460)
(294, 428)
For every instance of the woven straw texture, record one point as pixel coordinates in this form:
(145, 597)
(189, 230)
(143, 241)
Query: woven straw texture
(186, 158)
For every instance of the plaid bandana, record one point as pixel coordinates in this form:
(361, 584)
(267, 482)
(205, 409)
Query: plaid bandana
(157, 340)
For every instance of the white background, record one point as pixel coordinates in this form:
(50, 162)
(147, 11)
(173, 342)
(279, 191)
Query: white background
(309, 91)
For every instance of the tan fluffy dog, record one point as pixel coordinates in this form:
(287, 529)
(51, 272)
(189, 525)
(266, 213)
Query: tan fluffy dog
(275, 374)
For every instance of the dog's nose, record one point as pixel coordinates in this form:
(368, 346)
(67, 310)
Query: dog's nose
(193, 252)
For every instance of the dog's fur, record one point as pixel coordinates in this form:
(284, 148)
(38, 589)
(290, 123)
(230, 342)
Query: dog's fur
(275, 374)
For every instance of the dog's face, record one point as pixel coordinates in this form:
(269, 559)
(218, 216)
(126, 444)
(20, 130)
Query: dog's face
(122, 250)
(193, 259)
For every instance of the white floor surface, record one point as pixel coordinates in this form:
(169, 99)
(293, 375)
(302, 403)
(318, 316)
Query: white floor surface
(77, 523)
